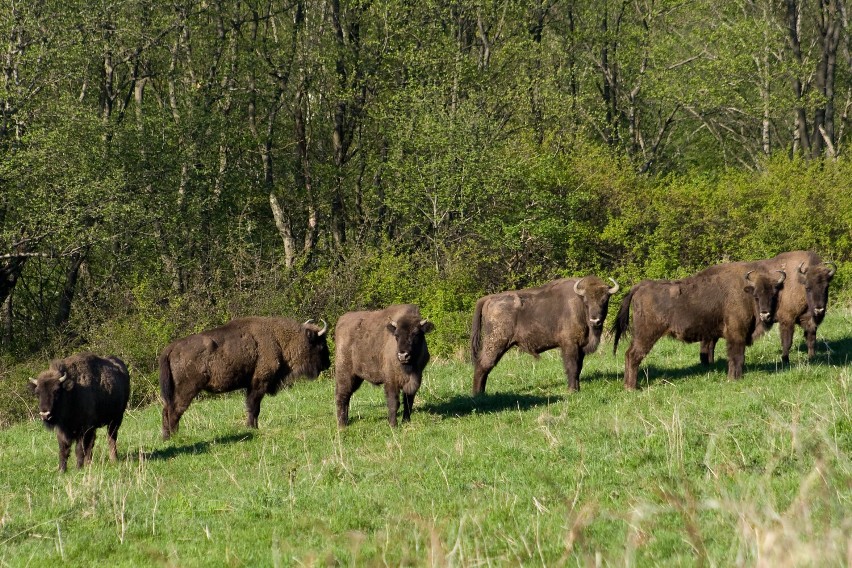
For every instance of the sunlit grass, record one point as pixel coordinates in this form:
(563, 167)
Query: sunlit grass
(692, 469)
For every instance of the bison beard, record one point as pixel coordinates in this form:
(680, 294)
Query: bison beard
(385, 347)
(79, 394)
(568, 313)
(726, 300)
(257, 354)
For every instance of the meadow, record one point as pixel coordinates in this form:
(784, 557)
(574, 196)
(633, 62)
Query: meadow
(691, 470)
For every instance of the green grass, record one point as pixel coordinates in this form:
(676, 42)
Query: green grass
(691, 470)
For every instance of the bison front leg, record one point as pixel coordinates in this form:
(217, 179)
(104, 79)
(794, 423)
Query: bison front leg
(253, 398)
(392, 398)
(87, 441)
(407, 406)
(785, 330)
(64, 449)
(708, 350)
(810, 337)
(572, 362)
(736, 359)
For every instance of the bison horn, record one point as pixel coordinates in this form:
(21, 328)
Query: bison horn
(393, 323)
(747, 275)
(307, 321)
(324, 328)
(577, 289)
(615, 287)
(833, 268)
(802, 271)
(783, 276)
(63, 377)
(33, 381)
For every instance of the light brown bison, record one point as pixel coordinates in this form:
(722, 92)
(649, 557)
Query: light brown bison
(726, 300)
(384, 347)
(79, 394)
(568, 313)
(255, 353)
(802, 300)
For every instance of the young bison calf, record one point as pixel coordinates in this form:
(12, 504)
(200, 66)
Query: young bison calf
(79, 394)
(385, 347)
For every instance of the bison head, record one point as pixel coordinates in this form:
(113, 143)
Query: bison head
(764, 289)
(595, 295)
(317, 357)
(50, 387)
(410, 335)
(815, 279)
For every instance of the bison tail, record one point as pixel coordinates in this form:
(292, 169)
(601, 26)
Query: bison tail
(167, 382)
(622, 320)
(475, 331)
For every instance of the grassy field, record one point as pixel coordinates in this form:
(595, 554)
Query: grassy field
(690, 470)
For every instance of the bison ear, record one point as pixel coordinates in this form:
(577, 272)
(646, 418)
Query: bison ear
(31, 385)
(391, 327)
(749, 289)
(66, 383)
(427, 326)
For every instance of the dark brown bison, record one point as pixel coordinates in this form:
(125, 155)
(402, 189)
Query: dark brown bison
(726, 300)
(384, 347)
(568, 313)
(802, 300)
(79, 394)
(257, 354)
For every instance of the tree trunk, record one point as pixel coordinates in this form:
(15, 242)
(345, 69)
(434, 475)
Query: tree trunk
(67, 296)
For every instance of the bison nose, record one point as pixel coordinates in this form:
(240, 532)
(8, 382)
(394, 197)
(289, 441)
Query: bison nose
(765, 316)
(819, 311)
(595, 321)
(403, 357)
(44, 414)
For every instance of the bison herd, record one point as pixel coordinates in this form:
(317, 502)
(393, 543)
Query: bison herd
(737, 301)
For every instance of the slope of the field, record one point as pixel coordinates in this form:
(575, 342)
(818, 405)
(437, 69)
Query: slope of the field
(690, 470)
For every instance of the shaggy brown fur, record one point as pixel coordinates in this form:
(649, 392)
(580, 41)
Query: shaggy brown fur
(540, 319)
(257, 354)
(385, 347)
(720, 301)
(79, 394)
(802, 300)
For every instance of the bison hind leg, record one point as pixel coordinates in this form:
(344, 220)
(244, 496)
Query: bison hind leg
(488, 359)
(342, 395)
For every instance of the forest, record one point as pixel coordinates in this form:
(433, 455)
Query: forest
(167, 166)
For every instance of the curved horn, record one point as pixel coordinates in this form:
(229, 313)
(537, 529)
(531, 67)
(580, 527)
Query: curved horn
(783, 277)
(802, 271)
(307, 321)
(393, 323)
(833, 268)
(615, 287)
(33, 381)
(321, 332)
(577, 289)
(424, 321)
(63, 377)
(747, 274)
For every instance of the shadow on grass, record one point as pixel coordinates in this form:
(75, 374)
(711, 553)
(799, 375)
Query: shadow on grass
(835, 352)
(462, 405)
(198, 447)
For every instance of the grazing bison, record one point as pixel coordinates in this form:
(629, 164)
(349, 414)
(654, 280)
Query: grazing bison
(79, 394)
(384, 347)
(568, 313)
(255, 353)
(802, 300)
(726, 300)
